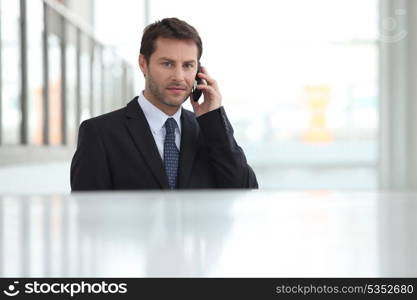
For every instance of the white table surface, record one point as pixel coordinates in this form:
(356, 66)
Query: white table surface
(210, 234)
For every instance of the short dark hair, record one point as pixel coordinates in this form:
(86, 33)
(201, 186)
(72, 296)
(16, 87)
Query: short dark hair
(172, 28)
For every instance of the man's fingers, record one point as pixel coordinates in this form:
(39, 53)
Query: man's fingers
(206, 88)
(207, 78)
(204, 70)
(194, 104)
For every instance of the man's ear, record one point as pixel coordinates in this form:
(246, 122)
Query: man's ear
(142, 64)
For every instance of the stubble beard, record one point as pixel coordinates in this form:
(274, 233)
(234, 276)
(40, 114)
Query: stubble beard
(158, 92)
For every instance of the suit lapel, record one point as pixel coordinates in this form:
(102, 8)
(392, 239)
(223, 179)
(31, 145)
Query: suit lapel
(141, 134)
(189, 139)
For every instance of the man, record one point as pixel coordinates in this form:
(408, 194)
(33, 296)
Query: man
(154, 143)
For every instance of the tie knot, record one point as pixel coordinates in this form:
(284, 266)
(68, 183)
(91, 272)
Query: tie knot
(170, 125)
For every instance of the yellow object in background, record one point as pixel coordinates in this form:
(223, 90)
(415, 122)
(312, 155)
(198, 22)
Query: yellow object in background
(318, 97)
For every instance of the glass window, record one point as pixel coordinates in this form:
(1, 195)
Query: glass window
(299, 83)
(97, 82)
(35, 72)
(55, 79)
(71, 66)
(85, 78)
(11, 116)
(109, 84)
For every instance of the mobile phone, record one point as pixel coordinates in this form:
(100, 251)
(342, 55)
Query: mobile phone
(196, 93)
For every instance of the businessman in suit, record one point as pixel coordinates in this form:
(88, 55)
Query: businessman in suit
(154, 143)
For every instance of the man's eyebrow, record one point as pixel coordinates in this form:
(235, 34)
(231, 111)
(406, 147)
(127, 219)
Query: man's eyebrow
(165, 58)
(171, 60)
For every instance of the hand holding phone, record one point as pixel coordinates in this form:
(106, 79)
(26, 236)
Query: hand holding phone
(209, 87)
(196, 93)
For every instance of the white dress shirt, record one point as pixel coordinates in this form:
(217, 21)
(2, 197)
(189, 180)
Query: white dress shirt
(156, 120)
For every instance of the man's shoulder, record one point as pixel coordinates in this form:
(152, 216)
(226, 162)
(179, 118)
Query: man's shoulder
(110, 117)
(189, 115)
(187, 112)
(113, 117)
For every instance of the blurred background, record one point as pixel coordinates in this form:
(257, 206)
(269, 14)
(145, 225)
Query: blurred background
(321, 94)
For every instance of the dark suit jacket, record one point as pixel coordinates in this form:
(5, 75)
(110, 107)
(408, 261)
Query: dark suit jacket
(117, 151)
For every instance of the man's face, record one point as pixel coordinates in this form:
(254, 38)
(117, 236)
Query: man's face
(170, 73)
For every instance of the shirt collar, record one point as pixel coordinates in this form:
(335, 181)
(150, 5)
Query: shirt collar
(155, 117)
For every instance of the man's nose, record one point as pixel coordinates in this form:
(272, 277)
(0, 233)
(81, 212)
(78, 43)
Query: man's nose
(178, 74)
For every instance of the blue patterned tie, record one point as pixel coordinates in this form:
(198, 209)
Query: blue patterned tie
(171, 153)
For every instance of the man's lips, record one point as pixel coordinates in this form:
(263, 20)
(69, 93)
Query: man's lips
(176, 88)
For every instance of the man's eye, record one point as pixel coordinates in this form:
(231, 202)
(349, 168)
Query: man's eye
(167, 64)
(189, 66)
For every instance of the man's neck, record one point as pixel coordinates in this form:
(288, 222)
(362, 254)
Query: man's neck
(166, 109)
